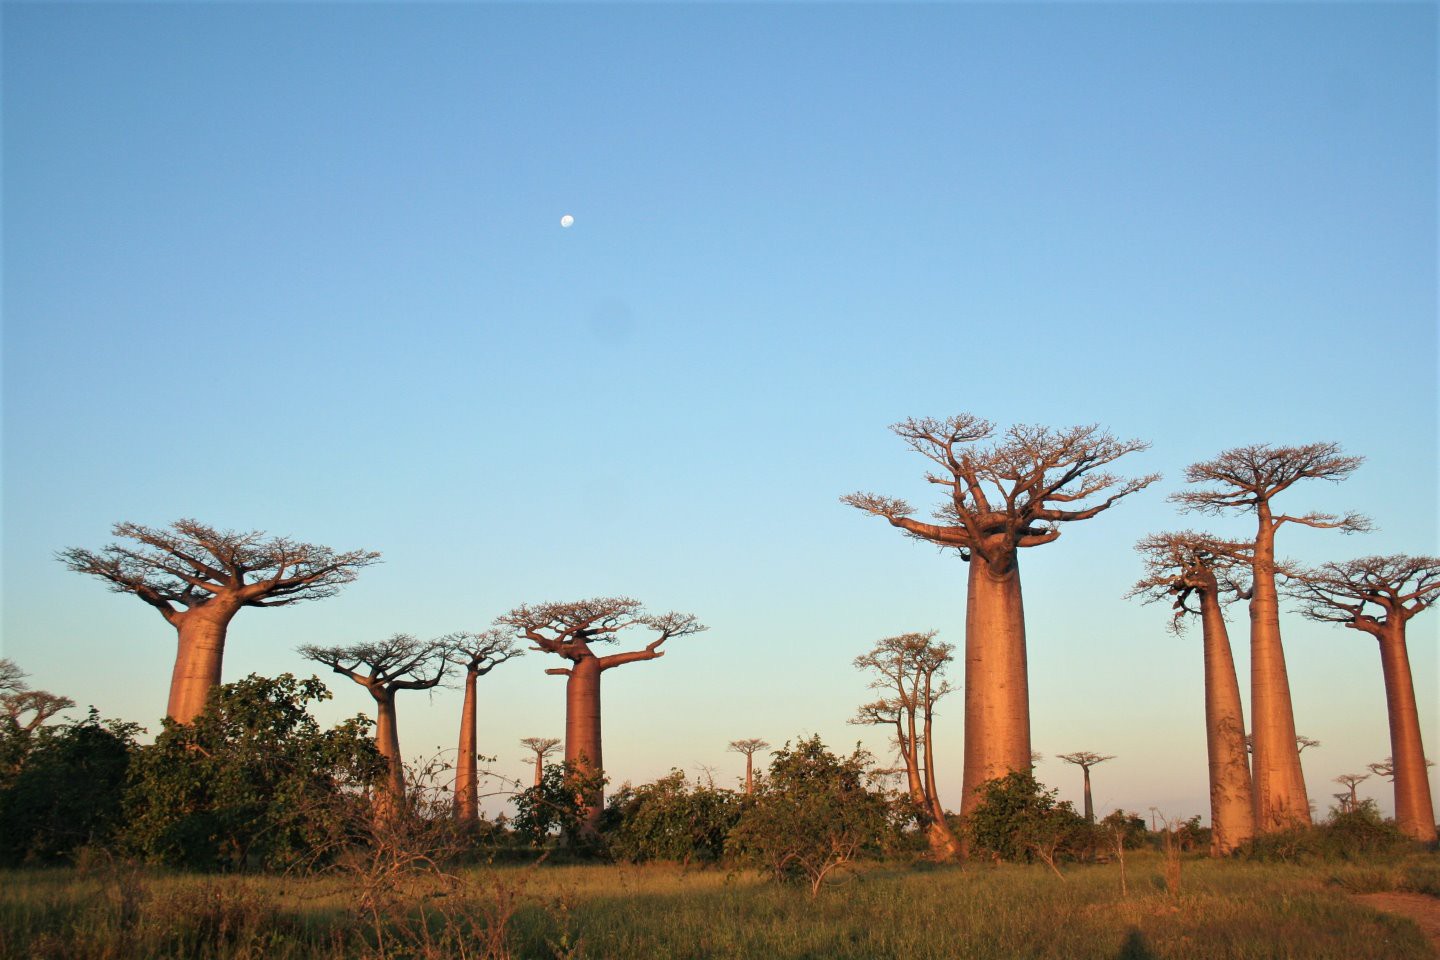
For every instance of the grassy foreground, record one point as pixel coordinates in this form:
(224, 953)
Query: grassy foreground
(1239, 910)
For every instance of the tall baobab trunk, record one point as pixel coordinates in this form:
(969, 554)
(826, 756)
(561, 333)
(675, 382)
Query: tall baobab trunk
(467, 787)
(391, 796)
(1089, 804)
(200, 648)
(749, 774)
(1414, 812)
(1232, 795)
(539, 768)
(1280, 798)
(582, 730)
(997, 692)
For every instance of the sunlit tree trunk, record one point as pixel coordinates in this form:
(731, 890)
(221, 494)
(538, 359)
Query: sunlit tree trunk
(943, 842)
(582, 730)
(199, 652)
(1414, 811)
(467, 788)
(997, 694)
(391, 795)
(1232, 797)
(1280, 798)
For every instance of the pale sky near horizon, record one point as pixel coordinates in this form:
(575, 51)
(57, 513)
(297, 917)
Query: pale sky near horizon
(300, 268)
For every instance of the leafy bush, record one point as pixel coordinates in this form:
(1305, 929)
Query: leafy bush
(557, 805)
(815, 813)
(671, 820)
(1345, 835)
(1017, 819)
(66, 789)
(252, 781)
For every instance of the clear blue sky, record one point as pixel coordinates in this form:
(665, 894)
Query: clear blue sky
(300, 268)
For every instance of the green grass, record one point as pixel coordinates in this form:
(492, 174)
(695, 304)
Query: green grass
(1223, 910)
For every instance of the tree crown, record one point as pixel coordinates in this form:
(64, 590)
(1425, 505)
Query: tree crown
(570, 629)
(1247, 478)
(479, 653)
(1012, 493)
(402, 662)
(1180, 566)
(190, 564)
(1368, 593)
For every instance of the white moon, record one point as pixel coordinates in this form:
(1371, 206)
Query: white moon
(566, 221)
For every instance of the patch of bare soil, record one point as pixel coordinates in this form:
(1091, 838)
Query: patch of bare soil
(1425, 911)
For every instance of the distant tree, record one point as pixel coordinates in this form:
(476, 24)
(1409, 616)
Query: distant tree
(1379, 596)
(569, 630)
(385, 668)
(1195, 572)
(813, 815)
(477, 654)
(1247, 480)
(1085, 759)
(542, 748)
(199, 577)
(1350, 781)
(907, 670)
(66, 793)
(23, 711)
(997, 499)
(252, 780)
(749, 748)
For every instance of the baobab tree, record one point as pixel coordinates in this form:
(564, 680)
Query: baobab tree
(477, 654)
(384, 669)
(1194, 571)
(542, 748)
(1086, 759)
(199, 577)
(998, 498)
(1350, 781)
(1247, 480)
(24, 708)
(1386, 768)
(570, 630)
(749, 748)
(906, 668)
(1380, 596)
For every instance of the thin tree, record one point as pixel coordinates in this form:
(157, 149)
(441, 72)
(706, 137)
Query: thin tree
(199, 577)
(384, 669)
(906, 668)
(749, 748)
(570, 631)
(1085, 759)
(997, 499)
(542, 748)
(1247, 480)
(1380, 596)
(477, 654)
(1350, 781)
(1193, 571)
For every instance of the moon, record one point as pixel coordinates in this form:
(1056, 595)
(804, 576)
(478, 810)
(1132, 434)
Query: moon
(566, 221)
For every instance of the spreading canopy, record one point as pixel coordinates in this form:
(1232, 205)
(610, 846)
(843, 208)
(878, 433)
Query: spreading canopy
(570, 629)
(402, 662)
(1366, 593)
(1178, 565)
(1247, 478)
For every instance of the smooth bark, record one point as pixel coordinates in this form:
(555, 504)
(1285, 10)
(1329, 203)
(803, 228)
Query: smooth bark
(387, 742)
(200, 649)
(1232, 795)
(467, 786)
(1280, 798)
(1414, 808)
(582, 730)
(997, 692)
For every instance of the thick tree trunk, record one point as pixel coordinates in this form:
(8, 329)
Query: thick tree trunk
(749, 774)
(391, 795)
(582, 731)
(467, 789)
(997, 692)
(1232, 795)
(199, 651)
(539, 768)
(1089, 804)
(1280, 798)
(1414, 811)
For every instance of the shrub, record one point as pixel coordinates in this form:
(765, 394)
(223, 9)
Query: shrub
(671, 820)
(1345, 835)
(557, 806)
(1017, 819)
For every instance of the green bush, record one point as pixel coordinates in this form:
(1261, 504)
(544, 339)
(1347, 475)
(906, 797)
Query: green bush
(252, 781)
(1344, 835)
(1017, 819)
(671, 820)
(557, 806)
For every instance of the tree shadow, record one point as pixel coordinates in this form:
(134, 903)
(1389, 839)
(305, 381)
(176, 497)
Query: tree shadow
(1134, 947)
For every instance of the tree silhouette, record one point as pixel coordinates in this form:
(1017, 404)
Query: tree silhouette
(477, 654)
(1247, 480)
(1350, 781)
(23, 707)
(1193, 571)
(569, 630)
(1379, 596)
(542, 748)
(385, 668)
(199, 577)
(749, 748)
(1084, 759)
(906, 669)
(1016, 492)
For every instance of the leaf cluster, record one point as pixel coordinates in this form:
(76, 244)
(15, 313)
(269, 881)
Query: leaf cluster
(671, 819)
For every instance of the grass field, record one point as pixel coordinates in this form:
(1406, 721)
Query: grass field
(1229, 909)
